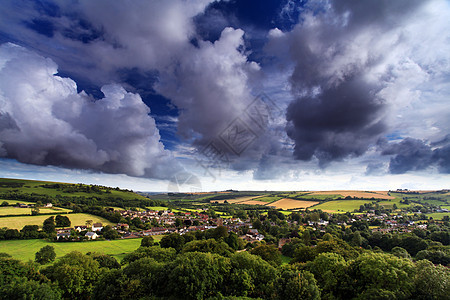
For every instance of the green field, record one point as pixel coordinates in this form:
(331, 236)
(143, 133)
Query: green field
(26, 249)
(341, 205)
(75, 219)
(14, 202)
(157, 208)
(438, 216)
(269, 199)
(8, 210)
(315, 197)
(396, 201)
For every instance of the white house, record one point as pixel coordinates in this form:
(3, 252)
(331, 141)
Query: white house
(91, 235)
(97, 227)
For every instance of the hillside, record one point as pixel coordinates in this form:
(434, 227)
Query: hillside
(55, 189)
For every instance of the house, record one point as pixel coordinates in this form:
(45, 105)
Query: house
(123, 226)
(80, 228)
(97, 227)
(91, 235)
(48, 205)
(62, 235)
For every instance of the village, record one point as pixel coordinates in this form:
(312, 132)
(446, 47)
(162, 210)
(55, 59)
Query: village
(159, 222)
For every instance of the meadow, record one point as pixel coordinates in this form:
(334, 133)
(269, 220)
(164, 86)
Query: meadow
(14, 202)
(341, 205)
(76, 219)
(438, 216)
(25, 249)
(8, 210)
(357, 194)
(269, 199)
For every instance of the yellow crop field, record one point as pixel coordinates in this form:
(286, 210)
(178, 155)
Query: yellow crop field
(75, 219)
(253, 202)
(291, 204)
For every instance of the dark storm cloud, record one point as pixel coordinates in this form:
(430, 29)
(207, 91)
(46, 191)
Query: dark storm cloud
(409, 155)
(339, 122)
(338, 110)
(414, 155)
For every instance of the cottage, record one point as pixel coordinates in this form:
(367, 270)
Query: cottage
(91, 235)
(97, 227)
(80, 228)
(62, 235)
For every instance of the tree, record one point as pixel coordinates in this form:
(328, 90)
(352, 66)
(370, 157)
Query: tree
(211, 246)
(35, 210)
(45, 255)
(250, 276)
(382, 275)
(5, 203)
(62, 221)
(29, 289)
(330, 271)
(136, 222)
(432, 282)
(75, 273)
(11, 234)
(156, 253)
(109, 233)
(105, 260)
(196, 275)
(269, 253)
(173, 240)
(49, 225)
(293, 284)
(400, 252)
(147, 241)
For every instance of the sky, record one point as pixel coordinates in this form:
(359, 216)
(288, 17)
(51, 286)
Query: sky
(188, 96)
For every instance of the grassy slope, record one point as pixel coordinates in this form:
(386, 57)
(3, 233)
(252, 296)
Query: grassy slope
(26, 249)
(341, 205)
(32, 186)
(75, 219)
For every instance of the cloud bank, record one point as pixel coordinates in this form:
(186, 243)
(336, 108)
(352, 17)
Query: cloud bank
(44, 121)
(361, 73)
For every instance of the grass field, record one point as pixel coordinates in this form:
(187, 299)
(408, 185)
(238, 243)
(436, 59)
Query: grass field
(291, 204)
(75, 219)
(26, 249)
(157, 208)
(438, 216)
(341, 205)
(8, 210)
(317, 196)
(357, 194)
(269, 199)
(14, 202)
(396, 201)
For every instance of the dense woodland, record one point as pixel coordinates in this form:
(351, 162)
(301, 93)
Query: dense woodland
(337, 264)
